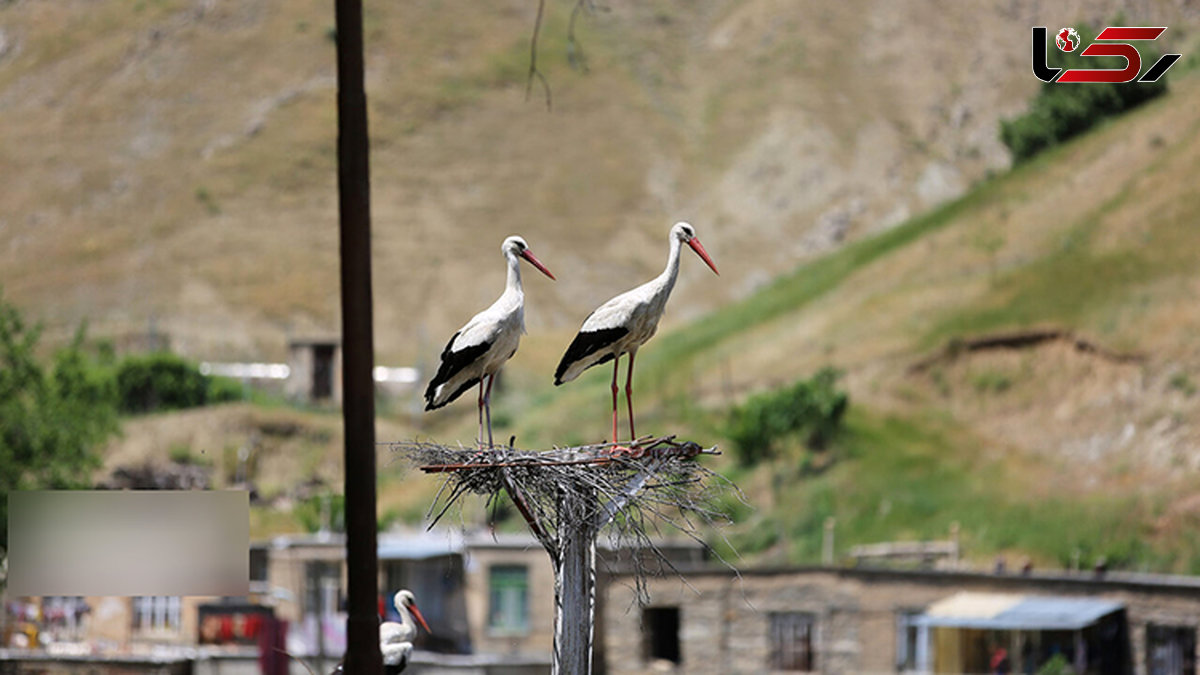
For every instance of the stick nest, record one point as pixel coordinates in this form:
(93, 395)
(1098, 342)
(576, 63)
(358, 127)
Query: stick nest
(636, 493)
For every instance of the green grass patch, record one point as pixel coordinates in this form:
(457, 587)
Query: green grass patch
(909, 479)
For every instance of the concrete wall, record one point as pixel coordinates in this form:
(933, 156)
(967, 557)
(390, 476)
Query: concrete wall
(286, 569)
(724, 621)
(302, 362)
(540, 636)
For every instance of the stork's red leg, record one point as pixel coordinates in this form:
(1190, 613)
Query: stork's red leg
(479, 437)
(616, 367)
(629, 396)
(487, 405)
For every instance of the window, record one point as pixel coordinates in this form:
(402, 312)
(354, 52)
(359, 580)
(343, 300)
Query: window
(258, 564)
(156, 613)
(322, 384)
(792, 641)
(322, 587)
(63, 617)
(508, 610)
(907, 635)
(1170, 650)
(661, 626)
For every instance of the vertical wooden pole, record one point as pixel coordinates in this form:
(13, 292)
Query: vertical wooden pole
(575, 585)
(358, 351)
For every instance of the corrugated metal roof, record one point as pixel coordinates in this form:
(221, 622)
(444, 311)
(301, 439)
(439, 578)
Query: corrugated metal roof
(419, 546)
(1017, 612)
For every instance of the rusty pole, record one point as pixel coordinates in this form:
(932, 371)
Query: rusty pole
(358, 352)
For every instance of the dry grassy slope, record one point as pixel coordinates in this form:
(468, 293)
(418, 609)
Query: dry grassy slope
(174, 160)
(1098, 239)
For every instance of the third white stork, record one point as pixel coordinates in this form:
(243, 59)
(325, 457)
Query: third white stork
(625, 323)
(486, 342)
(395, 639)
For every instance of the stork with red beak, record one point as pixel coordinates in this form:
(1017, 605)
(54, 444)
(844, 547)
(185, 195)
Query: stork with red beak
(486, 342)
(396, 639)
(625, 323)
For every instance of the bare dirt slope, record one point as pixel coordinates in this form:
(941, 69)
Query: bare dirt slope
(170, 163)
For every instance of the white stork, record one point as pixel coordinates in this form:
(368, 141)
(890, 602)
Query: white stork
(486, 342)
(396, 639)
(625, 323)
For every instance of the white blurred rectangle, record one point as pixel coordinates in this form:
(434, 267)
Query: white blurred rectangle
(143, 542)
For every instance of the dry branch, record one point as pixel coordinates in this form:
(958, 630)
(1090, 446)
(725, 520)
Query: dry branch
(638, 491)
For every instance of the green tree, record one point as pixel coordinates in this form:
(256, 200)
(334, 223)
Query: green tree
(810, 410)
(53, 417)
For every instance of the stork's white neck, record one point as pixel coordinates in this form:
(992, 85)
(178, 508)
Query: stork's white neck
(513, 283)
(666, 280)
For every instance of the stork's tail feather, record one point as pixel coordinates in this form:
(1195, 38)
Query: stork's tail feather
(433, 399)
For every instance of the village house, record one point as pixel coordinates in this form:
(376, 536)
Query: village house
(489, 600)
(860, 620)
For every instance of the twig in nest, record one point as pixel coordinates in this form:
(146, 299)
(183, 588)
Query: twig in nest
(575, 55)
(634, 490)
(533, 69)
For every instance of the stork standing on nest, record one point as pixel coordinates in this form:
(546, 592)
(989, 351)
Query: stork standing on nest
(625, 323)
(486, 342)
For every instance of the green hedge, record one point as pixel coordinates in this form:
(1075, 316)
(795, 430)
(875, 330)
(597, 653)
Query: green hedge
(810, 411)
(164, 381)
(1062, 111)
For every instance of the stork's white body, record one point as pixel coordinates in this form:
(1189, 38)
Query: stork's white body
(624, 323)
(635, 313)
(495, 333)
(481, 347)
(395, 639)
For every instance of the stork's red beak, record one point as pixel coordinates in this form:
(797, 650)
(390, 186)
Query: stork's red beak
(528, 255)
(694, 242)
(420, 619)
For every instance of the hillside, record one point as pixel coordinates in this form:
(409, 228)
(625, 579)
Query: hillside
(176, 157)
(176, 171)
(1021, 361)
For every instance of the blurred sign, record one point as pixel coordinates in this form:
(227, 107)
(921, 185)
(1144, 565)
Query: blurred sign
(1117, 44)
(232, 624)
(128, 542)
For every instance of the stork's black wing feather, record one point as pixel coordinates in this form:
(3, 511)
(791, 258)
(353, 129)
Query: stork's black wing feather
(587, 343)
(452, 363)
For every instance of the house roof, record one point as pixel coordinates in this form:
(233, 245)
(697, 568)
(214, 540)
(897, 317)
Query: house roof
(996, 611)
(409, 545)
(419, 546)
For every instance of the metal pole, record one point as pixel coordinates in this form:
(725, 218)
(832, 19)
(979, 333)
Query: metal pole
(358, 354)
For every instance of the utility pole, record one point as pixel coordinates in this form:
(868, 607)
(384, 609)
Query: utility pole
(358, 352)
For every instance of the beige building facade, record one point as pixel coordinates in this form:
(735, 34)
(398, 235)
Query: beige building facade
(854, 621)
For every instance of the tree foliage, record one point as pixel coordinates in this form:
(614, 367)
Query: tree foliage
(53, 417)
(165, 381)
(1062, 111)
(810, 411)
(318, 511)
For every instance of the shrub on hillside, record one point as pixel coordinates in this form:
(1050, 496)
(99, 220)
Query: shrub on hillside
(1061, 111)
(810, 410)
(322, 510)
(164, 381)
